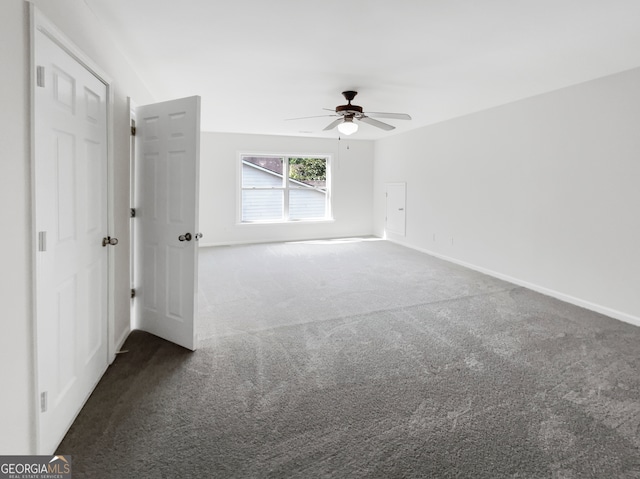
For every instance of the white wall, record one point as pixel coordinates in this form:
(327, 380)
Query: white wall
(352, 188)
(16, 364)
(544, 191)
(17, 403)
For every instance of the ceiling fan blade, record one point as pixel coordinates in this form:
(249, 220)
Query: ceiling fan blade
(377, 123)
(306, 117)
(333, 124)
(395, 116)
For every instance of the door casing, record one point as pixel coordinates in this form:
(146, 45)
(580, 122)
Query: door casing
(396, 203)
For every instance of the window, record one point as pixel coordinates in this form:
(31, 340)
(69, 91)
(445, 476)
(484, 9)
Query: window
(284, 188)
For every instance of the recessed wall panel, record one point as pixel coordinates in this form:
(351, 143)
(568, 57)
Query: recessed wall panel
(66, 317)
(177, 124)
(93, 186)
(92, 106)
(150, 252)
(64, 90)
(176, 187)
(150, 178)
(95, 317)
(174, 283)
(150, 128)
(65, 171)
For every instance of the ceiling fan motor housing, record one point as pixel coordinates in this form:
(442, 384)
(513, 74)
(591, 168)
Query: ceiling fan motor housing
(349, 109)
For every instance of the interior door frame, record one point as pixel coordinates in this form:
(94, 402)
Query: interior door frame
(133, 270)
(387, 186)
(39, 22)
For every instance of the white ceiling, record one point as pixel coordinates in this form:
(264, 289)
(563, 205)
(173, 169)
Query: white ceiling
(256, 63)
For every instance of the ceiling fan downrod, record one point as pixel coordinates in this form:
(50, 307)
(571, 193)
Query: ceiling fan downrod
(349, 108)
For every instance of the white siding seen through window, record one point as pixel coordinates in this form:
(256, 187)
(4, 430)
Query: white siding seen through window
(282, 188)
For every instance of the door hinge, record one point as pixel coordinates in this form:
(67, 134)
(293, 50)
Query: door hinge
(42, 241)
(132, 213)
(40, 76)
(133, 131)
(133, 292)
(43, 401)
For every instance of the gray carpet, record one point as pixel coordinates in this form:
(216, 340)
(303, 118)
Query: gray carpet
(366, 359)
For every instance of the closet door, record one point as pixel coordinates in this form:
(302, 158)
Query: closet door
(72, 265)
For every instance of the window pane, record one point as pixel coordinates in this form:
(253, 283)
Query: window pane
(307, 204)
(308, 172)
(260, 205)
(261, 172)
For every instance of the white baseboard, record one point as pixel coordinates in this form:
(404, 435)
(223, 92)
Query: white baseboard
(613, 313)
(123, 337)
(225, 243)
(314, 238)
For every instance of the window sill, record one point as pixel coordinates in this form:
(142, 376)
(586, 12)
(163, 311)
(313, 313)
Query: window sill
(283, 222)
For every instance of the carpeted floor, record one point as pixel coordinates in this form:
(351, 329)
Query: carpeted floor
(365, 359)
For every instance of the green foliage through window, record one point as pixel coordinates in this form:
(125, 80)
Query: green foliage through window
(308, 169)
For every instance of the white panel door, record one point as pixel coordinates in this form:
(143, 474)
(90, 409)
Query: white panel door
(396, 208)
(70, 162)
(167, 168)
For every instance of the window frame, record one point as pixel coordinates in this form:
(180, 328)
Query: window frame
(285, 188)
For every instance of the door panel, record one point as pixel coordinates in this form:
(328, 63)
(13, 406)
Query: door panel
(396, 208)
(70, 172)
(167, 165)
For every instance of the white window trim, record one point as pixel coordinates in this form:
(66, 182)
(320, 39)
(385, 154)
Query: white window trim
(328, 218)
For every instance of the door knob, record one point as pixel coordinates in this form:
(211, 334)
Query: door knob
(109, 241)
(198, 236)
(185, 237)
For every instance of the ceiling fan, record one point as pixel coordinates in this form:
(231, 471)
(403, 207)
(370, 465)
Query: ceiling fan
(348, 113)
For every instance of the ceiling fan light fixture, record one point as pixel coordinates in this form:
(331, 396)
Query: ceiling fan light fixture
(347, 127)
